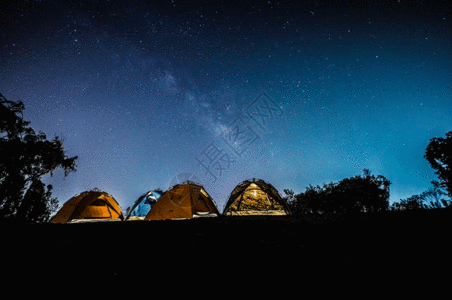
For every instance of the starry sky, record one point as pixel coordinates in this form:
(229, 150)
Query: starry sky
(148, 95)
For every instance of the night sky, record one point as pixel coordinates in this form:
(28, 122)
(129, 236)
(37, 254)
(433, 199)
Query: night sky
(289, 93)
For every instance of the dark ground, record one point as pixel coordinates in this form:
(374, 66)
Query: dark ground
(390, 242)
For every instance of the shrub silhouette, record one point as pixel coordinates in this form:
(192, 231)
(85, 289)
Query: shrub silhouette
(362, 193)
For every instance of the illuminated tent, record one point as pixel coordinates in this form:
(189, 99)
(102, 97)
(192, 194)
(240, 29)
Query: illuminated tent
(89, 206)
(187, 200)
(255, 197)
(142, 205)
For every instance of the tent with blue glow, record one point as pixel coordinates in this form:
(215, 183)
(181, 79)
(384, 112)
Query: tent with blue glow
(142, 205)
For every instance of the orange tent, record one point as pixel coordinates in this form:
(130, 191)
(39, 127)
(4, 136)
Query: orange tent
(89, 205)
(183, 201)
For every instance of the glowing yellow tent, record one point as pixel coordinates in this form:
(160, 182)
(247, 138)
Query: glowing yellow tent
(187, 200)
(255, 197)
(90, 205)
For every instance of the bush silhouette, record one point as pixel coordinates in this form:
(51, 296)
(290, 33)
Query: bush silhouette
(362, 193)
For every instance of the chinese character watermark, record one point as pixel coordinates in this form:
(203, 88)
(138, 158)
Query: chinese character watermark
(213, 161)
(177, 196)
(239, 136)
(262, 109)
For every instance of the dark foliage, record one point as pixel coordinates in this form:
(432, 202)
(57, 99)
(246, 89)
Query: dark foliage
(439, 155)
(414, 202)
(362, 193)
(430, 199)
(24, 158)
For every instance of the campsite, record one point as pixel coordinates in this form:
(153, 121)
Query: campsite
(256, 230)
(238, 144)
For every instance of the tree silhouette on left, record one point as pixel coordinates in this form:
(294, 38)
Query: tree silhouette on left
(24, 158)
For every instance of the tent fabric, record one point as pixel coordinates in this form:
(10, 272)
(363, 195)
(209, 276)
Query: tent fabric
(143, 205)
(89, 205)
(256, 197)
(183, 201)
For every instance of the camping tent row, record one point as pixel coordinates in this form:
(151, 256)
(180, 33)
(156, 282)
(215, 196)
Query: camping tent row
(183, 201)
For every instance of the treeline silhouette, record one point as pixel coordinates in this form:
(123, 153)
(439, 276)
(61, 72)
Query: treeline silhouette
(369, 193)
(362, 193)
(430, 199)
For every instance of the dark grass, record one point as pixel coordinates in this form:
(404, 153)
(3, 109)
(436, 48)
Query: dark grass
(394, 242)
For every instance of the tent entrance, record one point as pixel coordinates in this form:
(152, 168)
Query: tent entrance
(99, 209)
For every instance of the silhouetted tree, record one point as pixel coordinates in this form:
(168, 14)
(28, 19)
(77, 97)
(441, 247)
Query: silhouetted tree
(24, 158)
(307, 202)
(432, 198)
(290, 195)
(414, 202)
(362, 193)
(439, 155)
